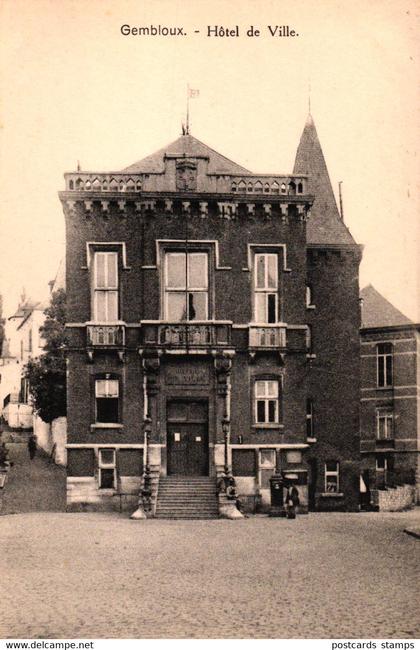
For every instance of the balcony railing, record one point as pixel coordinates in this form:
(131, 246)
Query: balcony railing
(267, 336)
(105, 335)
(191, 335)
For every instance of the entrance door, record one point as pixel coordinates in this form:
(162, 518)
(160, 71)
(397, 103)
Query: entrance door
(187, 438)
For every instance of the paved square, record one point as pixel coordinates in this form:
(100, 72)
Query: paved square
(102, 575)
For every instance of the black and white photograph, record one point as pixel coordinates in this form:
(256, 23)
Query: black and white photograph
(209, 323)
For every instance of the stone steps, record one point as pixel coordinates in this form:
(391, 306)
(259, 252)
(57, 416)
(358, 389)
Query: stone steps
(187, 497)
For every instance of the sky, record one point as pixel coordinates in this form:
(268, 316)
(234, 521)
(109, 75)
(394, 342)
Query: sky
(73, 88)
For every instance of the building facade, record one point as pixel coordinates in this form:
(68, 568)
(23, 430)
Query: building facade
(390, 406)
(213, 325)
(22, 341)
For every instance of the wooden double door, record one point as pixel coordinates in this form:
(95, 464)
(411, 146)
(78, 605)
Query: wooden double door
(187, 437)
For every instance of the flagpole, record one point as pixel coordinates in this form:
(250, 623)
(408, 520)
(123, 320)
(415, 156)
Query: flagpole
(188, 110)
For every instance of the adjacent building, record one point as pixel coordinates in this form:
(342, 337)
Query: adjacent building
(213, 325)
(22, 341)
(390, 406)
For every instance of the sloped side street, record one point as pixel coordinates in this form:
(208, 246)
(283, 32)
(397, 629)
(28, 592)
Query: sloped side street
(32, 485)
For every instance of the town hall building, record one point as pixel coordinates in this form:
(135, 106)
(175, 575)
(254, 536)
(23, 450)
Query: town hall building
(213, 331)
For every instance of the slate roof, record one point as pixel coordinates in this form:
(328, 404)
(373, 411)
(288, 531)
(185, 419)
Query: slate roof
(189, 146)
(325, 225)
(377, 311)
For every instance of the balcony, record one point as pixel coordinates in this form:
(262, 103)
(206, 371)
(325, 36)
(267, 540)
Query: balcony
(193, 335)
(267, 337)
(105, 336)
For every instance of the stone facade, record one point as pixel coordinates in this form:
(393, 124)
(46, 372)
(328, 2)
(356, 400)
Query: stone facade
(209, 329)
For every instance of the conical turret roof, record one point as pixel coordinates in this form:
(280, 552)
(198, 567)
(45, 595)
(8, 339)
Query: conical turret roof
(325, 225)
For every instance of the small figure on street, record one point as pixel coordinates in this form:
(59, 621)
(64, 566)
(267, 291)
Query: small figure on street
(292, 501)
(4, 454)
(32, 446)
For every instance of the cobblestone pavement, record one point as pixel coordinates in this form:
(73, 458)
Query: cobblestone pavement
(32, 485)
(102, 575)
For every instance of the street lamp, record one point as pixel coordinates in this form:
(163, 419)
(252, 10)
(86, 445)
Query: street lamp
(146, 492)
(226, 431)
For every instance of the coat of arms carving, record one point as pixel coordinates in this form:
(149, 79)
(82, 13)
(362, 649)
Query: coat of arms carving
(186, 175)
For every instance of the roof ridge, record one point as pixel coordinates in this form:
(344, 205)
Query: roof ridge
(216, 152)
(378, 311)
(186, 144)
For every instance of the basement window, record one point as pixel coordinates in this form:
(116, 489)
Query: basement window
(107, 469)
(332, 477)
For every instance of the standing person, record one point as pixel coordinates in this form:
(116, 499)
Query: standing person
(294, 494)
(4, 456)
(290, 505)
(32, 446)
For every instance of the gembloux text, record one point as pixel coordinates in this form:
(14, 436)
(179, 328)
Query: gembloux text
(211, 31)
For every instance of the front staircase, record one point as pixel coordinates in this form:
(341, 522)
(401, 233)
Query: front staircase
(187, 497)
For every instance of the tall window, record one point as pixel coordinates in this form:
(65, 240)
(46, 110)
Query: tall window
(309, 419)
(332, 476)
(266, 288)
(384, 364)
(105, 287)
(107, 400)
(107, 468)
(266, 401)
(186, 286)
(384, 424)
(309, 339)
